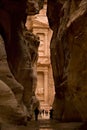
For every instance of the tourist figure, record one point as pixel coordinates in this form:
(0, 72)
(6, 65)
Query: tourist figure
(46, 112)
(36, 111)
(43, 112)
(51, 113)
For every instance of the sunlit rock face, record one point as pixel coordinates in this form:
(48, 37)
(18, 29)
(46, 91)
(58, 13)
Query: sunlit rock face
(68, 20)
(10, 92)
(10, 110)
(18, 55)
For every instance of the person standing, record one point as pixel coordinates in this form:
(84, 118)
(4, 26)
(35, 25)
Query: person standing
(51, 113)
(36, 112)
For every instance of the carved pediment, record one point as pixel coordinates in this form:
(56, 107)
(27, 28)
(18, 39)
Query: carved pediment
(40, 24)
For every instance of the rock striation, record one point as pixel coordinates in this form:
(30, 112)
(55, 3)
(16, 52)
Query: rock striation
(18, 57)
(68, 20)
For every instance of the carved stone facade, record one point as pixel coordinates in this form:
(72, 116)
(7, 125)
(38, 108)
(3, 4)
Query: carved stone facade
(45, 86)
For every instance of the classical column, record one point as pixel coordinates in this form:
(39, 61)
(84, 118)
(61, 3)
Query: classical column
(46, 86)
(46, 43)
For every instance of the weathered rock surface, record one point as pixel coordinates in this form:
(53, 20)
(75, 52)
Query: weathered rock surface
(26, 69)
(68, 20)
(10, 110)
(18, 56)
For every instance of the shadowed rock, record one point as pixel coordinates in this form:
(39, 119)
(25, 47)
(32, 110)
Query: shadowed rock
(16, 62)
(69, 57)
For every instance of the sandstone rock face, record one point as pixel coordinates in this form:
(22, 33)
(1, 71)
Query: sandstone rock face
(11, 92)
(68, 20)
(34, 6)
(10, 110)
(18, 57)
(26, 70)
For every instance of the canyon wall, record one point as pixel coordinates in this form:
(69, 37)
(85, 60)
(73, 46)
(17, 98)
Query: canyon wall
(68, 47)
(18, 57)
